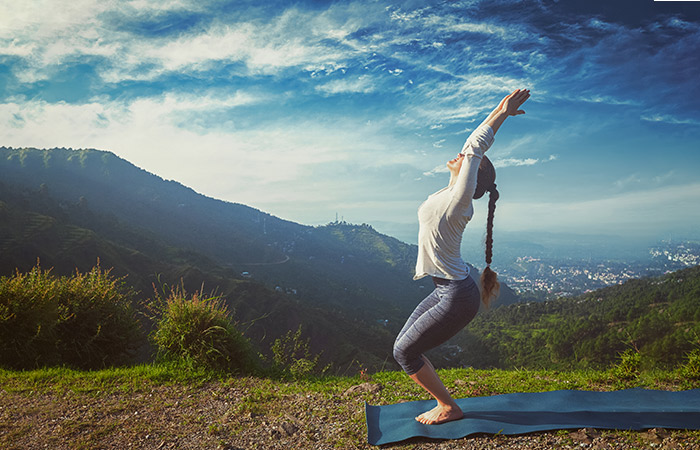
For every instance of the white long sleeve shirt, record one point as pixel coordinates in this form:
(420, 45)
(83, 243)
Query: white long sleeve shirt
(444, 215)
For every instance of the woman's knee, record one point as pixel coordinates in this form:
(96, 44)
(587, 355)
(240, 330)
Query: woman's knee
(409, 362)
(399, 354)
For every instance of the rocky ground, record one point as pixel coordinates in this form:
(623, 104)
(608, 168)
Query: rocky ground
(249, 413)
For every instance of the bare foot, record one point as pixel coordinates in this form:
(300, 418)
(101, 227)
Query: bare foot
(440, 414)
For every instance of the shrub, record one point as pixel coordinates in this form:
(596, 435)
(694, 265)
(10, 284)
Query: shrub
(198, 331)
(691, 368)
(85, 321)
(629, 365)
(291, 354)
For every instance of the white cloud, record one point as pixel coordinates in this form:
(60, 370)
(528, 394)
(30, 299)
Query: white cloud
(442, 23)
(637, 179)
(145, 133)
(148, 6)
(599, 24)
(659, 179)
(510, 162)
(44, 33)
(13, 48)
(608, 100)
(667, 118)
(39, 20)
(437, 170)
(264, 48)
(630, 180)
(294, 38)
(47, 33)
(515, 162)
(358, 85)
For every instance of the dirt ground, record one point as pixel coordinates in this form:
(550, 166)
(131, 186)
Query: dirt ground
(245, 416)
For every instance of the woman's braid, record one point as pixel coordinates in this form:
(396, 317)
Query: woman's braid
(490, 286)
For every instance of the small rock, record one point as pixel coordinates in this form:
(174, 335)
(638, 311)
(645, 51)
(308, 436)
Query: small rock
(581, 436)
(289, 428)
(364, 387)
(652, 436)
(661, 432)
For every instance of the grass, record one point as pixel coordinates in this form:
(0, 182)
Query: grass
(121, 379)
(174, 407)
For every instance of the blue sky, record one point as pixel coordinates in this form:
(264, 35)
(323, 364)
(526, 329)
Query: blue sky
(311, 108)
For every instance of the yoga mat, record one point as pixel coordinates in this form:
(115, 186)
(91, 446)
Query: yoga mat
(630, 409)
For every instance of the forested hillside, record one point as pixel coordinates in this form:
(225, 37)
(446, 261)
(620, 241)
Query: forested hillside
(657, 317)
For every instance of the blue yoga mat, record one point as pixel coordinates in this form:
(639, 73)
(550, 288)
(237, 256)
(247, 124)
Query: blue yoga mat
(631, 409)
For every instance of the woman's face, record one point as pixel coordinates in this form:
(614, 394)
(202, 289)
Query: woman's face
(455, 164)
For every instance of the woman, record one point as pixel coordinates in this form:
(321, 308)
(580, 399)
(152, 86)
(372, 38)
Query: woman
(455, 300)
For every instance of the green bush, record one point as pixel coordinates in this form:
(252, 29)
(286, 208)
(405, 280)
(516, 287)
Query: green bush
(691, 368)
(198, 331)
(85, 321)
(629, 365)
(291, 354)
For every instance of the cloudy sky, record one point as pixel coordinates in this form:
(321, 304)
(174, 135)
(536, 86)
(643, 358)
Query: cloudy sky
(311, 108)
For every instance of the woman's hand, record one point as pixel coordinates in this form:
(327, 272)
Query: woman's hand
(509, 106)
(511, 103)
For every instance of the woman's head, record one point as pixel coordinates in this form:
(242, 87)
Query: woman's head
(455, 164)
(486, 176)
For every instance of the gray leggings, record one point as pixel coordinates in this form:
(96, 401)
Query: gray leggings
(448, 309)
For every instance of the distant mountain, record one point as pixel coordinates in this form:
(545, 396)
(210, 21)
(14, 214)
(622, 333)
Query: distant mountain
(68, 207)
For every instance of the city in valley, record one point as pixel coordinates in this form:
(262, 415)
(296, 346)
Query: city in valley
(551, 277)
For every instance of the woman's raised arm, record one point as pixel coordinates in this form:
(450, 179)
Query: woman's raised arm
(509, 106)
(480, 141)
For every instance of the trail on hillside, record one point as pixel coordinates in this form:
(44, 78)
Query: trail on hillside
(286, 258)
